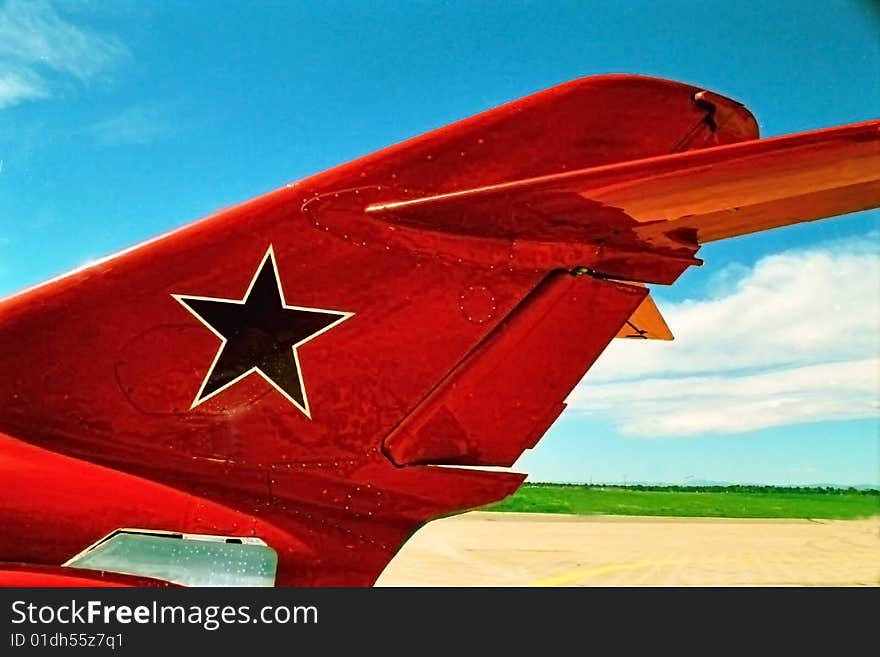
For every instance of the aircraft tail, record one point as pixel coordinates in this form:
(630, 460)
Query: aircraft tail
(294, 369)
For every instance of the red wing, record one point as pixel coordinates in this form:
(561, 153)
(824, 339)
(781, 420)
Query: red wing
(699, 196)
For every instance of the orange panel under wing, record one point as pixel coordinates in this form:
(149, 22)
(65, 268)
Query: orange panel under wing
(646, 323)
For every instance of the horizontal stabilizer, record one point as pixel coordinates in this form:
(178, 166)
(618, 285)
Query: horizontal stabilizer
(692, 197)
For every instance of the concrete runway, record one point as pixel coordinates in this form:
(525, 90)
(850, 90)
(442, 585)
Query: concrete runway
(528, 549)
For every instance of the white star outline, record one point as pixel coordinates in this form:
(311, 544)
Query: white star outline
(270, 254)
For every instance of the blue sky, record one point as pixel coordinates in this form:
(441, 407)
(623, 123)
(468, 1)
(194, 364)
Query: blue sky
(121, 120)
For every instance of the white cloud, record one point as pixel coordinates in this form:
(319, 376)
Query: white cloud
(140, 124)
(793, 339)
(19, 86)
(36, 42)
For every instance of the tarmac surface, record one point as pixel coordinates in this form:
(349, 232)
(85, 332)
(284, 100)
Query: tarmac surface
(533, 549)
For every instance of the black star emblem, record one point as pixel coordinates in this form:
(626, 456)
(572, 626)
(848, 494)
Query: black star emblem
(260, 333)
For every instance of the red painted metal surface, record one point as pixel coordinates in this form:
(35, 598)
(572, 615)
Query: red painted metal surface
(520, 376)
(696, 197)
(28, 575)
(458, 346)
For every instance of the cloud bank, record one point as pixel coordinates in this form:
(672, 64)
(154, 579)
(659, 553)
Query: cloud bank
(795, 338)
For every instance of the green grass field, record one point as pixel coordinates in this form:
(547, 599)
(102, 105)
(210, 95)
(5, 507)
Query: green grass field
(715, 501)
